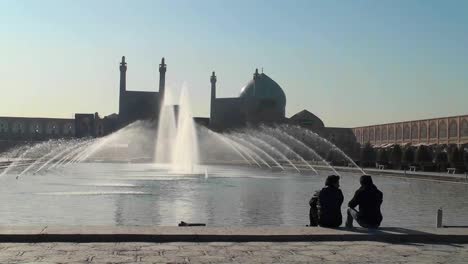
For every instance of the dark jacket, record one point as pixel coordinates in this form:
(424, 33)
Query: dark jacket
(328, 202)
(369, 199)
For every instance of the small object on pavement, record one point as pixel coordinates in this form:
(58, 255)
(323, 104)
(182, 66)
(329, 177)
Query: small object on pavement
(182, 223)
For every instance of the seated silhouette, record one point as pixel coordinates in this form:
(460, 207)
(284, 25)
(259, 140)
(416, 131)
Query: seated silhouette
(369, 199)
(325, 205)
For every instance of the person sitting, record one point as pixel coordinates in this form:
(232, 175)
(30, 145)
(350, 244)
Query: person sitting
(369, 199)
(325, 205)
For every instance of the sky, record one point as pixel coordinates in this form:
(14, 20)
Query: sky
(350, 62)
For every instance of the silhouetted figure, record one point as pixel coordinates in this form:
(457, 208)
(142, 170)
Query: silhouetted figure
(325, 205)
(369, 199)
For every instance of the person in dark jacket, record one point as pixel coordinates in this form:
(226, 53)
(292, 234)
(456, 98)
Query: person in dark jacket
(325, 205)
(369, 199)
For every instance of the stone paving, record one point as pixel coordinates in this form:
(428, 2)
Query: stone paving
(230, 252)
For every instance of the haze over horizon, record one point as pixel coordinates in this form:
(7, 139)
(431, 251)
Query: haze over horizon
(351, 63)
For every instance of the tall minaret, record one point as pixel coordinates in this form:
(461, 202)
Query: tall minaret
(123, 84)
(213, 94)
(162, 80)
(255, 77)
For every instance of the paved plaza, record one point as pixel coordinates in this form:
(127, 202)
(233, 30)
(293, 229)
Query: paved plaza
(241, 245)
(231, 252)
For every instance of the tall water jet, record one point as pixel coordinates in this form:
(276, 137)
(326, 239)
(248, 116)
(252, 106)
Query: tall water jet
(166, 134)
(185, 156)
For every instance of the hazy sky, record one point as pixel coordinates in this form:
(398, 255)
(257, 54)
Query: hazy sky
(350, 62)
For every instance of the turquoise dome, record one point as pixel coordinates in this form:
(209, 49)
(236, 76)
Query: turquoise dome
(263, 87)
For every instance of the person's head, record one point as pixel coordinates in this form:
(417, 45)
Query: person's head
(366, 180)
(333, 180)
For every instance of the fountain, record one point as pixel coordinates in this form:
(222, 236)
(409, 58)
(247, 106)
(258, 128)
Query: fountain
(166, 132)
(166, 158)
(177, 142)
(250, 176)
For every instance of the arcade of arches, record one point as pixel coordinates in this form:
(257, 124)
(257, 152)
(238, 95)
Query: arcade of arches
(448, 130)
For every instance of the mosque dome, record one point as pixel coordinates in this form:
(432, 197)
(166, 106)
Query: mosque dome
(263, 87)
(306, 118)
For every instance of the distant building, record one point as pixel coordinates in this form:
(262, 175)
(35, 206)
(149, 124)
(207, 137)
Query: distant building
(435, 131)
(261, 101)
(32, 129)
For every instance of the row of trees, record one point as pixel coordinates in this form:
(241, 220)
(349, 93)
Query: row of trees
(426, 158)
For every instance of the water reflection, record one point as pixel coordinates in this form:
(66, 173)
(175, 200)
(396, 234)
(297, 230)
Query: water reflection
(139, 194)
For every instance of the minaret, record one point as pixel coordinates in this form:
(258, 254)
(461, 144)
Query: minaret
(123, 84)
(162, 80)
(255, 77)
(213, 94)
(256, 74)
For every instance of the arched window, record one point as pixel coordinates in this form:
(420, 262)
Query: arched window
(453, 128)
(414, 131)
(365, 135)
(3, 126)
(371, 134)
(52, 128)
(432, 130)
(18, 128)
(377, 133)
(35, 128)
(384, 133)
(358, 135)
(464, 128)
(423, 130)
(406, 131)
(442, 130)
(391, 133)
(68, 129)
(398, 132)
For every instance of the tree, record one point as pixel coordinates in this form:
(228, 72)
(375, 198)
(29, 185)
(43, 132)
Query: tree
(454, 156)
(423, 157)
(465, 156)
(367, 155)
(441, 159)
(382, 156)
(408, 156)
(395, 157)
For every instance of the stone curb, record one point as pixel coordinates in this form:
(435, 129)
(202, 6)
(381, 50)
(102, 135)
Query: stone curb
(89, 238)
(229, 234)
